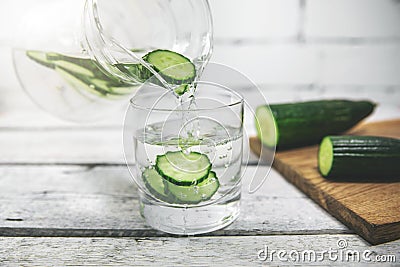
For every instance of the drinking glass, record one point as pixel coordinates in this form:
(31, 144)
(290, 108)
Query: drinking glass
(208, 125)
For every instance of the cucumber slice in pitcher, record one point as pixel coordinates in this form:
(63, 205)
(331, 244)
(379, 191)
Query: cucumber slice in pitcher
(183, 169)
(72, 67)
(41, 58)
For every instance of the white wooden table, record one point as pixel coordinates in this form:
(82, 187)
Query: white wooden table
(66, 198)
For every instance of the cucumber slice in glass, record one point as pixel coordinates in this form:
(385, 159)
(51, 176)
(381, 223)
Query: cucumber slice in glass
(196, 193)
(183, 169)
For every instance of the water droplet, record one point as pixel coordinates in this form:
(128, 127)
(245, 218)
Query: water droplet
(196, 189)
(226, 165)
(229, 148)
(204, 196)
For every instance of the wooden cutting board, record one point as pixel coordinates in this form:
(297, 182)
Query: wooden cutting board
(371, 209)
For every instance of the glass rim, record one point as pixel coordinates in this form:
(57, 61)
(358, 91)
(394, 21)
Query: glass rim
(240, 101)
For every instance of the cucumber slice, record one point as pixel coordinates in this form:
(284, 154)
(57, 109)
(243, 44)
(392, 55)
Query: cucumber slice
(173, 67)
(135, 70)
(79, 83)
(82, 73)
(155, 183)
(41, 58)
(79, 65)
(172, 193)
(181, 89)
(72, 67)
(183, 169)
(121, 90)
(196, 193)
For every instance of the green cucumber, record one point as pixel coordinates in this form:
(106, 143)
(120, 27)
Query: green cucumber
(72, 67)
(183, 169)
(359, 157)
(173, 67)
(196, 193)
(134, 69)
(156, 184)
(81, 73)
(41, 58)
(172, 193)
(181, 89)
(79, 65)
(306, 123)
(90, 85)
(80, 83)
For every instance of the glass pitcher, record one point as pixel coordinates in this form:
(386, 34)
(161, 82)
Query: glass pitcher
(68, 50)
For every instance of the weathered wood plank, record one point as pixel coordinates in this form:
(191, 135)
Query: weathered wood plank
(193, 251)
(68, 146)
(102, 201)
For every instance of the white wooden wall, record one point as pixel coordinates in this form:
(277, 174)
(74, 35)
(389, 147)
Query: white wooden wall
(293, 49)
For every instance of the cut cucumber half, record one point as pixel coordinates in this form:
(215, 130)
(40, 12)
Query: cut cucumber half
(183, 169)
(196, 193)
(325, 156)
(266, 126)
(359, 158)
(173, 67)
(292, 125)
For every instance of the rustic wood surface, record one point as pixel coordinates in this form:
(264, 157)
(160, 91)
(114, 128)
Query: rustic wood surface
(102, 201)
(190, 251)
(66, 198)
(371, 209)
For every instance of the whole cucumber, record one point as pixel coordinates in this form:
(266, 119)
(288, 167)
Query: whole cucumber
(305, 123)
